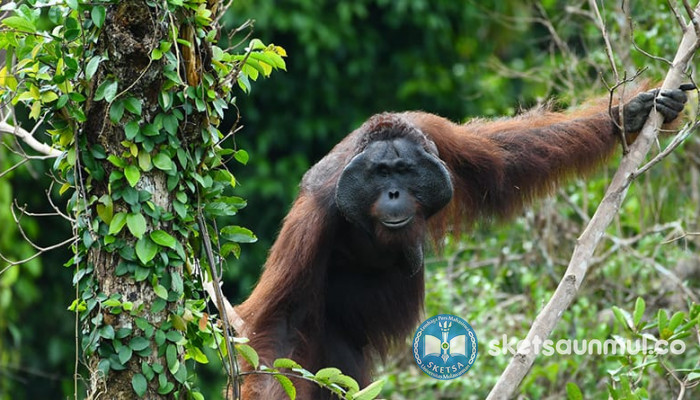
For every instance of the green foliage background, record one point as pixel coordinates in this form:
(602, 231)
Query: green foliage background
(460, 59)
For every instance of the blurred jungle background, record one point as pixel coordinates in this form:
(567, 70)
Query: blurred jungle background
(461, 59)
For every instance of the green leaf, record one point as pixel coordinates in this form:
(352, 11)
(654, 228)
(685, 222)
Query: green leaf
(347, 382)
(197, 355)
(662, 318)
(573, 392)
(157, 368)
(326, 374)
(181, 374)
(112, 303)
(35, 110)
(124, 354)
(103, 366)
(150, 130)
(116, 161)
(249, 354)
(19, 23)
(176, 283)
(287, 385)
(133, 105)
(179, 323)
(146, 250)
(91, 67)
(170, 124)
(147, 370)
(228, 248)
(676, 320)
(105, 209)
(693, 376)
(163, 162)
(161, 291)
(140, 384)
(159, 336)
(131, 129)
(142, 323)
(116, 111)
(48, 96)
(238, 234)
(107, 332)
(138, 343)
(224, 206)
(136, 224)
(165, 100)
(256, 44)
(171, 358)
(173, 336)
(132, 175)
(156, 54)
(144, 160)
(623, 317)
(107, 91)
(286, 363)
(97, 15)
(241, 156)
(117, 223)
(180, 208)
(163, 238)
(370, 392)
(141, 273)
(638, 313)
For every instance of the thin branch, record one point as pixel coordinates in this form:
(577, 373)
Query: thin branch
(679, 17)
(12, 168)
(677, 140)
(221, 13)
(223, 305)
(606, 38)
(35, 255)
(568, 287)
(54, 206)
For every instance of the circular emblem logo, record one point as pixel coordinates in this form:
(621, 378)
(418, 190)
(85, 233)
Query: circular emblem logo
(445, 346)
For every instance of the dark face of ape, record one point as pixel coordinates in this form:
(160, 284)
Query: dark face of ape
(392, 187)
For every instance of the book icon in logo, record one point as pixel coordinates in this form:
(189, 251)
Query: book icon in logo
(445, 346)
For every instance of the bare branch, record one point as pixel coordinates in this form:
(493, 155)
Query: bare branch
(606, 38)
(12, 168)
(677, 140)
(580, 260)
(29, 139)
(35, 255)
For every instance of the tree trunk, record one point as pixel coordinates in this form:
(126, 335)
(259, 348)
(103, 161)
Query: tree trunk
(131, 31)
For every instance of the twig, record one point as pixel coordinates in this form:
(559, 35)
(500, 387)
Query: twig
(568, 287)
(12, 168)
(677, 140)
(35, 255)
(606, 38)
(679, 17)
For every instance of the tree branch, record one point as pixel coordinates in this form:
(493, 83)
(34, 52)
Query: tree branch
(28, 138)
(573, 277)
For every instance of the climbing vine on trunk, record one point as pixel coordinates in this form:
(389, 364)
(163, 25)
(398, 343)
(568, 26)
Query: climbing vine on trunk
(131, 94)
